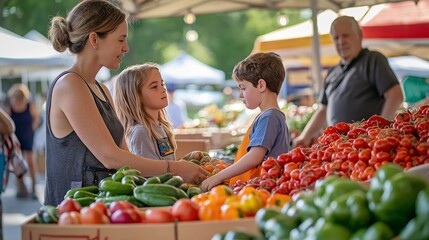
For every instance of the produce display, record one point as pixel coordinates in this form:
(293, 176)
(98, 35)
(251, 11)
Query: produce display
(395, 203)
(353, 151)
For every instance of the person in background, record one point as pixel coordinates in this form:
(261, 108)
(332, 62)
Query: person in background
(176, 110)
(84, 137)
(259, 78)
(7, 127)
(361, 85)
(24, 114)
(140, 100)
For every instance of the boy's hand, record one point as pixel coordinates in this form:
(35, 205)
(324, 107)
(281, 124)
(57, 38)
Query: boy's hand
(210, 182)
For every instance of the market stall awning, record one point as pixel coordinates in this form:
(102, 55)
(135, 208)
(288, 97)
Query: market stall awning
(173, 8)
(295, 41)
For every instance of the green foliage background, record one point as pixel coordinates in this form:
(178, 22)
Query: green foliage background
(224, 39)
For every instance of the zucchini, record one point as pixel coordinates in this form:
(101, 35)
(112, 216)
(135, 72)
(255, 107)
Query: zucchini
(175, 181)
(161, 189)
(155, 200)
(164, 177)
(116, 188)
(70, 193)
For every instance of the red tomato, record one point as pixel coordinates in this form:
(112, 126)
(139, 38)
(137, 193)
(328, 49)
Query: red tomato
(269, 163)
(268, 184)
(381, 145)
(100, 207)
(342, 127)
(69, 205)
(114, 206)
(403, 117)
(274, 172)
(93, 216)
(297, 155)
(284, 158)
(158, 215)
(359, 143)
(354, 133)
(288, 169)
(69, 218)
(122, 216)
(185, 210)
(364, 155)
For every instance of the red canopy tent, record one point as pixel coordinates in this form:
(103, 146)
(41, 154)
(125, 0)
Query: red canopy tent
(398, 29)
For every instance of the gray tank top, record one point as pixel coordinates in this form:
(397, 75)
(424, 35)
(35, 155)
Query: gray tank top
(69, 163)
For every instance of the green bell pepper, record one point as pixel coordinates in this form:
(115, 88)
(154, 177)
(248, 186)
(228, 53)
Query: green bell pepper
(380, 177)
(324, 230)
(397, 204)
(279, 227)
(335, 188)
(377, 231)
(416, 229)
(350, 210)
(263, 215)
(422, 203)
(302, 207)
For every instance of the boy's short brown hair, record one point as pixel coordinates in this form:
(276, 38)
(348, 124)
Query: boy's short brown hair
(267, 66)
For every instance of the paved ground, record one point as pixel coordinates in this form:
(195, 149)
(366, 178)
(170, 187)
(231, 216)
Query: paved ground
(16, 211)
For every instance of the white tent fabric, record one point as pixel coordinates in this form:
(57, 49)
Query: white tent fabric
(404, 66)
(19, 55)
(185, 69)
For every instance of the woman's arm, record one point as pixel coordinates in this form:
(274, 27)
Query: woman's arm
(35, 115)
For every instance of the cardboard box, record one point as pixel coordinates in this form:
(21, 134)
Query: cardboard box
(32, 231)
(205, 230)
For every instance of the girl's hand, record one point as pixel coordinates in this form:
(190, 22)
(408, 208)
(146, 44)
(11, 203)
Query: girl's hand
(210, 182)
(190, 172)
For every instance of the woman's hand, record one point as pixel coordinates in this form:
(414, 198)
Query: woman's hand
(190, 172)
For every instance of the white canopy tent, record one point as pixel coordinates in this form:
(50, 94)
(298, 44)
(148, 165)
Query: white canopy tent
(185, 69)
(20, 55)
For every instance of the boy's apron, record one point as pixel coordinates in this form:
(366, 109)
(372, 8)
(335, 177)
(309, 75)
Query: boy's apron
(242, 150)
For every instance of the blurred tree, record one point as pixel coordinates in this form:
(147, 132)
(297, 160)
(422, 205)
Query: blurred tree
(224, 39)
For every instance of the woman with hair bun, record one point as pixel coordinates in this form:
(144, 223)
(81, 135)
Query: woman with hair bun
(84, 137)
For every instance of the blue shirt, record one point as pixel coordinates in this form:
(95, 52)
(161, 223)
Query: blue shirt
(270, 132)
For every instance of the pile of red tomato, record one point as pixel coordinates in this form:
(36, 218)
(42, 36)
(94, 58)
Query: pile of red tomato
(354, 150)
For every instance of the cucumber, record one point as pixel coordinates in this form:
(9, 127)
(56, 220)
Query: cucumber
(133, 172)
(116, 188)
(182, 194)
(195, 161)
(131, 199)
(155, 200)
(164, 177)
(193, 191)
(129, 180)
(123, 168)
(70, 193)
(85, 201)
(158, 188)
(184, 187)
(81, 194)
(175, 181)
(139, 180)
(152, 180)
(117, 177)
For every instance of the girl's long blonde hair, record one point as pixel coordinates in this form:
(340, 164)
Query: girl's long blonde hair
(129, 106)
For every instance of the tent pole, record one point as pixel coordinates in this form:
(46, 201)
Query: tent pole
(316, 69)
